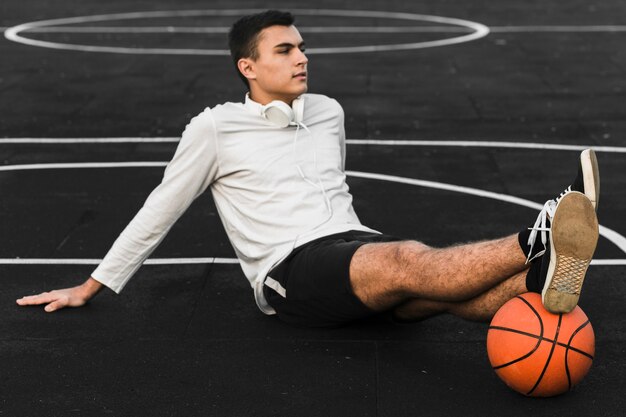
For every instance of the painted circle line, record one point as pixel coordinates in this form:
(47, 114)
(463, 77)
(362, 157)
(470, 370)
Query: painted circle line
(611, 235)
(371, 142)
(15, 33)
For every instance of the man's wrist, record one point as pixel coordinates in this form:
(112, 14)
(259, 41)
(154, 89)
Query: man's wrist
(91, 287)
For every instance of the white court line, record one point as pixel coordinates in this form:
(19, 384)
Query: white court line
(79, 165)
(564, 29)
(155, 261)
(192, 261)
(331, 29)
(224, 30)
(611, 235)
(486, 144)
(477, 31)
(86, 140)
(375, 142)
(608, 262)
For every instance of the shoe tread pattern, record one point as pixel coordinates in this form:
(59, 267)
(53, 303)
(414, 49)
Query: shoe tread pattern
(573, 239)
(569, 275)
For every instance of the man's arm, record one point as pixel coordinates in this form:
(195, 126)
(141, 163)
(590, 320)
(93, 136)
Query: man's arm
(188, 174)
(69, 297)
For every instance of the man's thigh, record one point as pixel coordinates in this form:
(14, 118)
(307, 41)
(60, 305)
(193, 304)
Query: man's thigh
(312, 286)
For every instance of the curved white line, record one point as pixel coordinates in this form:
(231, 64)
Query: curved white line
(550, 28)
(13, 33)
(486, 144)
(53, 141)
(224, 30)
(480, 31)
(611, 235)
(608, 262)
(191, 261)
(152, 261)
(78, 165)
(394, 29)
(373, 142)
(448, 187)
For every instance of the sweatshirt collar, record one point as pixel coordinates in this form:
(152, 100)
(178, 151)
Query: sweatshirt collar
(253, 106)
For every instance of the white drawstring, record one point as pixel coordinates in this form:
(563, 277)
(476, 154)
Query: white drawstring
(319, 184)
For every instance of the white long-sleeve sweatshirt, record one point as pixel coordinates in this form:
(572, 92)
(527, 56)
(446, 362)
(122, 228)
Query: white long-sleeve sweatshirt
(251, 165)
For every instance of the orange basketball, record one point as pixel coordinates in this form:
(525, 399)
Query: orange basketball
(538, 353)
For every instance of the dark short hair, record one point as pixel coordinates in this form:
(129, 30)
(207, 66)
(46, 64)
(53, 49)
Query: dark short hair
(244, 34)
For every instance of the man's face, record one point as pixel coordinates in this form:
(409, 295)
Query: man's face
(280, 70)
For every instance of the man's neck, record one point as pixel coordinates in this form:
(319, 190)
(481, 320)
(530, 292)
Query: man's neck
(264, 99)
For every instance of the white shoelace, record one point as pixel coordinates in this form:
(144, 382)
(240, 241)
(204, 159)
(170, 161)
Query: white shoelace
(546, 213)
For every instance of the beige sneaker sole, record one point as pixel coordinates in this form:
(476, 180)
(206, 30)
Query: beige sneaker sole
(573, 239)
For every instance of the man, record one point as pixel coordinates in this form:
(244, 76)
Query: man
(275, 166)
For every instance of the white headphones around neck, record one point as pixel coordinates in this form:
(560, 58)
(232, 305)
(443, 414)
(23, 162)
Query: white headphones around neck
(282, 115)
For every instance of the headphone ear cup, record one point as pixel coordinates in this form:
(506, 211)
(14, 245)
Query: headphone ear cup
(279, 113)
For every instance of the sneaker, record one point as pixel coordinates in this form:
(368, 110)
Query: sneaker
(588, 178)
(587, 182)
(573, 238)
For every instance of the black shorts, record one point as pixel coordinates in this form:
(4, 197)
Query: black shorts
(311, 287)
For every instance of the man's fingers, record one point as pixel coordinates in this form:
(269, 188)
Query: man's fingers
(55, 300)
(42, 298)
(56, 305)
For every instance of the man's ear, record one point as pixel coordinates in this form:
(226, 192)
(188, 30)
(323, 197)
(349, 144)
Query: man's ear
(246, 67)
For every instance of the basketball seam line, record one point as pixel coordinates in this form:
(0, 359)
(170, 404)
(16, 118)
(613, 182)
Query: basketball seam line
(569, 379)
(545, 368)
(533, 350)
(534, 336)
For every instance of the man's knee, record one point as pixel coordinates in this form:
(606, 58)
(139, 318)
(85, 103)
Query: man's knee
(393, 260)
(408, 257)
(380, 272)
(408, 252)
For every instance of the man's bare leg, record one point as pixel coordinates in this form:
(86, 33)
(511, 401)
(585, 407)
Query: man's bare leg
(384, 275)
(480, 308)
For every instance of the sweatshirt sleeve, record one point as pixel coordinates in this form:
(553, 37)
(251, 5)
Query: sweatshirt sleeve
(192, 169)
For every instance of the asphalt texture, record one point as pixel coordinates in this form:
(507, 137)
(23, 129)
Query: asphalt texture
(188, 340)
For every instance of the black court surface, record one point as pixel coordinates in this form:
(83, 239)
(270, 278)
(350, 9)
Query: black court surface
(460, 126)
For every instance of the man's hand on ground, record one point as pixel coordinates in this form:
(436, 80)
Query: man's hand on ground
(69, 297)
